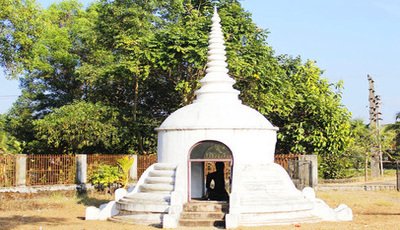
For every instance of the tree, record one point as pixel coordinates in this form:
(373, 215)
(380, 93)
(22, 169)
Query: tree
(8, 143)
(363, 139)
(394, 129)
(80, 127)
(360, 145)
(20, 25)
(389, 144)
(358, 153)
(309, 113)
(118, 64)
(39, 47)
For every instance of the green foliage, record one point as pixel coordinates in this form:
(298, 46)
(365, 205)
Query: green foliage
(105, 176)
(125, 165)
(363, 141)
(388, 141)
(308, 111)
(394, 130)
(80, 127)
(360, 145)
(8, 143)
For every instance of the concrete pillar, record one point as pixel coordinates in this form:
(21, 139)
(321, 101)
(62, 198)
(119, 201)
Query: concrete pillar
(293, 168)
(375, 168)
(308, 169)
(20, 170)
(133, 170)
(398, 175)
(81, 168)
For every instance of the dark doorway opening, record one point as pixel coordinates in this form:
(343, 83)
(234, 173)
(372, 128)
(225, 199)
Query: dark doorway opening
(202, 161)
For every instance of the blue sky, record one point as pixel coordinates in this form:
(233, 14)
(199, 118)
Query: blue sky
(348, 39)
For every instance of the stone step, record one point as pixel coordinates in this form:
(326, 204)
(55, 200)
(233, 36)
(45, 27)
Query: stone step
(156, 188)
(128, 213)
(271, 183)
(164, 166)
(203, 215)
(248, 169)
(277, 207)
(142, 201)
(267, 172)
(272, 199)
(277, 218)
(146, 219)
(201, 223)
(264, 172)
(263, 187)
(162, 173)
(148, 196)
(160, 180)
(206, 206)
(142, 207)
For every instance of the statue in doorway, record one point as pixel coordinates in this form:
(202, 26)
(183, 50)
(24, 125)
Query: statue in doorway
(215, 184)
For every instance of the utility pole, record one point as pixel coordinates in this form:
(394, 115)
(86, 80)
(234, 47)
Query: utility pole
(378, 114)
(374, 125)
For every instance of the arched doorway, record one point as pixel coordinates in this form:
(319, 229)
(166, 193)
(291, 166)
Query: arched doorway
(202, 159)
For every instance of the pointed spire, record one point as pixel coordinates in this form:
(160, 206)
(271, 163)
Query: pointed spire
(217, 84)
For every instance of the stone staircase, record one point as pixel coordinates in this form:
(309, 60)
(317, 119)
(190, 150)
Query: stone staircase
(268, 197)
(152, 199)
(204, 214)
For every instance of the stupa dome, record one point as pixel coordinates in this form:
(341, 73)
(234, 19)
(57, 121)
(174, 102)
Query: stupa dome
(216, 116)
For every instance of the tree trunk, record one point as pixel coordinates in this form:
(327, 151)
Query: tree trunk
(135, 108)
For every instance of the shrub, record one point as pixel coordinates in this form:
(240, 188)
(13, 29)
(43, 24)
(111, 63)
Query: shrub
(105, 177)
(124, 165)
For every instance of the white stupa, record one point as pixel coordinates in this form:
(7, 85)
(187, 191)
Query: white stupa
(218, 127)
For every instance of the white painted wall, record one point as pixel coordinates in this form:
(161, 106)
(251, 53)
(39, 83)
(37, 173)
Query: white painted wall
(247, 146)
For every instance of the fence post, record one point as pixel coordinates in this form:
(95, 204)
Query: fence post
(81, 168)
(397, 176)
(133, 170)
(311, 173)
(20, 170)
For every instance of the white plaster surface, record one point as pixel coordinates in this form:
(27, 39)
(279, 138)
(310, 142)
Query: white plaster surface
(153, 197)
(92, 213)
(211, 114)
(131, 188)
(120, 193)
(231, 221)
(170, 221)
(343, 213)
(323, 211)
(309, 193)
(107, 210)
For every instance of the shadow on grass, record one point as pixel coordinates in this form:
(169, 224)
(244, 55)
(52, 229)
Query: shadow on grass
(87, 200)
(12, 222)
(381, 214)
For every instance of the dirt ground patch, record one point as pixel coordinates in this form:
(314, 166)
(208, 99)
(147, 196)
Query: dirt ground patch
(66, 210)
